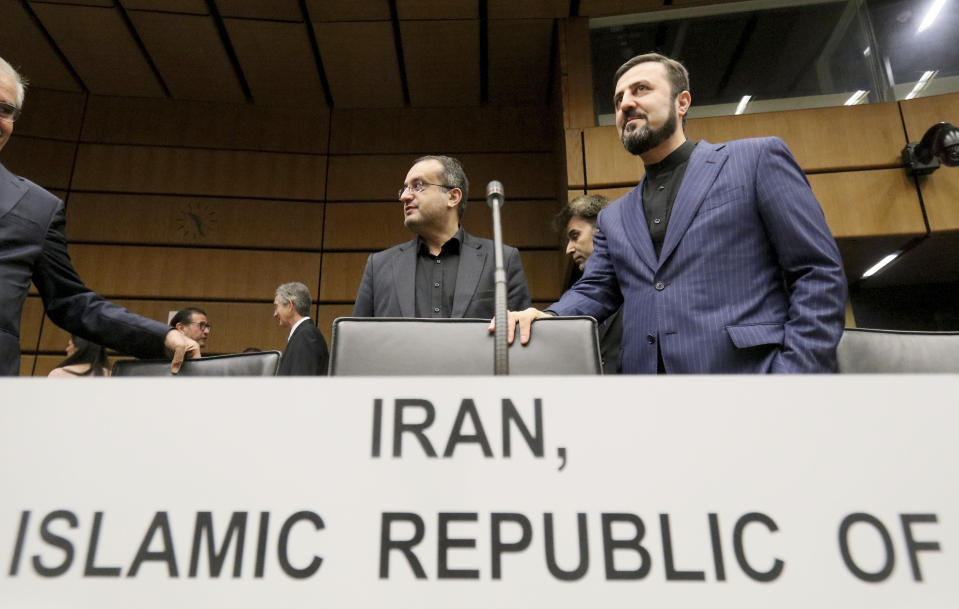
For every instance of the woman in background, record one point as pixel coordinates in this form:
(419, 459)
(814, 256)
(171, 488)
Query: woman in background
(83, 359)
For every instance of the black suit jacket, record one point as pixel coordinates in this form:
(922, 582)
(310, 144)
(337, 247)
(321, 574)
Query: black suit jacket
(306, 353)
(33, 247)
(388, 288)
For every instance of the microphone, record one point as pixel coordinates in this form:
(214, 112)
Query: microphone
(495, 199)
(494, 194)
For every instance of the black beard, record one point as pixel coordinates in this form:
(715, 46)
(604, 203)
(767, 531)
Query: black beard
(643, 139)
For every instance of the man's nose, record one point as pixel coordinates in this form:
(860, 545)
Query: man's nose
(570, 247)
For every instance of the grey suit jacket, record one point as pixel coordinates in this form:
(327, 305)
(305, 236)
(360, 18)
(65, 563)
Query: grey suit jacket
(33, 247)
(388, 288)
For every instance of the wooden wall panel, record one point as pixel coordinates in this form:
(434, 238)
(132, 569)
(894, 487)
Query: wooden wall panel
(199, 172)
(26, 364)
(511, 81)
(30, 323)
(437, 78)
(419, 131)
(869, 203)
(526, 224)
(325, 316)
(601, 8)
(165, 220)
(544, 274)
(437, 9)
(236, 325)
(610, 193)
(938, 189)
(821, 139)
(275, 60)
(342, 273)
(282, 10)
(529, 9)
(360, 63)
(101, 49)
(576, 73)
(372, 226)
(195, 7)
(348, 10)
(575, 174)
(197, 69)
(923, 112)
(45, 162)
(187, 273)
(607, 162)
(116, 120)
(51, 114)
(376, 226)
(27, 49)
(367, 178)
(939, 195)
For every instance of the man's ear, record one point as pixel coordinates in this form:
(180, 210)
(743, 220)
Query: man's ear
(683, 101)
(456, 195)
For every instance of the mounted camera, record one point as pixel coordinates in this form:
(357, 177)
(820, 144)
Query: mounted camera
(940, 144)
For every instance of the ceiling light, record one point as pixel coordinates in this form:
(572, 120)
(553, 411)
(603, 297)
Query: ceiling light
(927, 76)
(867, 51)
(931, 15)
(856, 98)
(742, 104)
(880, 265)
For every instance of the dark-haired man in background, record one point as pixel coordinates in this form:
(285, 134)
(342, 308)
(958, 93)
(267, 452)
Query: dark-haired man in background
(193, 323)
(577, 221)
(444, 271)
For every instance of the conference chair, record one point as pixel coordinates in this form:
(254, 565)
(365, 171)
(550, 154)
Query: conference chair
(261, 363)
(398, 347)
(864, 350)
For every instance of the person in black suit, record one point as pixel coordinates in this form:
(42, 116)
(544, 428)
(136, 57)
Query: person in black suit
(306, 353)
(445, 272)
(33, 247)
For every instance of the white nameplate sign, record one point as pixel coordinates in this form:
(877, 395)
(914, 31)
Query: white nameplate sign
(736, 492)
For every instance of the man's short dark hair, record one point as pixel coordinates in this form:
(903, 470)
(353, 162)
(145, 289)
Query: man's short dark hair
(185, 316)
(586, 207)
(453, 175)
(675, 71)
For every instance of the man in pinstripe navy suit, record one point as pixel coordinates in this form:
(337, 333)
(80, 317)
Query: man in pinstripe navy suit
(720, 257)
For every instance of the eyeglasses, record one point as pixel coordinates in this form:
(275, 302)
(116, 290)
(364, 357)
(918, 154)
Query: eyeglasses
(202, 324)
(417, 187)
(9, 112)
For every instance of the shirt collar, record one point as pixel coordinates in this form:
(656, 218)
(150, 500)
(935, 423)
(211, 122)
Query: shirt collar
(453, 244)
(673, 160)
(295, 326)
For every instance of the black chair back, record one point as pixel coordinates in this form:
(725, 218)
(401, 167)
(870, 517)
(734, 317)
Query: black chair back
(261, 363)
(363, 346)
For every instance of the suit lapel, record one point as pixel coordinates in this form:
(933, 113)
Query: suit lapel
(404, 278)
(704, 165)
(472, 261)
(634, 223)
(11, 191)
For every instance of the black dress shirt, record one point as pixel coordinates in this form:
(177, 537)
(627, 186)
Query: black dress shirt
(659, 191)
(436, 277)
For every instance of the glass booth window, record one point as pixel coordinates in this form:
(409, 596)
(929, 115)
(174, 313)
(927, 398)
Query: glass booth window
(768, 55)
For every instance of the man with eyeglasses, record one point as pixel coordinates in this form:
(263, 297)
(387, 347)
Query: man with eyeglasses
(444, 272)
(33, 247)
(193, 323)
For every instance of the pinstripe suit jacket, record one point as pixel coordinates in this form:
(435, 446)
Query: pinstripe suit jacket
(749, 279)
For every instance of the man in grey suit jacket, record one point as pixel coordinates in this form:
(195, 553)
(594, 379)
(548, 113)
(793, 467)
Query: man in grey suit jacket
(721, 257)
(445, 272)
(33, 247)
